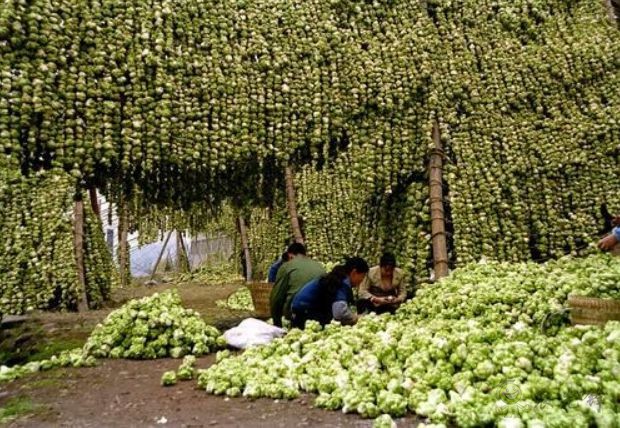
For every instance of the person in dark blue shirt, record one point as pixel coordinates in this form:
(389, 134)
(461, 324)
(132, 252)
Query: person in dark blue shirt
(273, 269)
(330, 296)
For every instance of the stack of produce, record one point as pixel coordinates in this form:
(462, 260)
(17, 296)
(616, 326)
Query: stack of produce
(468, 350)
(153, 327)
(211, 274)
(186, 371)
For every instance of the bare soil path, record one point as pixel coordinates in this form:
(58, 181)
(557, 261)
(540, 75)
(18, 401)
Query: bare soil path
(122, 393)
(125, 393)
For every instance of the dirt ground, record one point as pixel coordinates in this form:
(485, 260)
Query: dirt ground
(125, 393)
(121, 393)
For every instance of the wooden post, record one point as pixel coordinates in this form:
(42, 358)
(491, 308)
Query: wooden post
(123, 247)
(78, 243)
(243, 232)
(94, 201)
(161, 254)
(438, 225)
(182, 256)
(292, 204)
(613, 10)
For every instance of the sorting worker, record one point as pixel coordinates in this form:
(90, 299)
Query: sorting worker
(384, 289)
(330, 296)
(273, 269)
(292, 275)
(611, 240)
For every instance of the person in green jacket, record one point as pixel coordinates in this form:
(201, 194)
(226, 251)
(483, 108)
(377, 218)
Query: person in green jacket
(292, 276)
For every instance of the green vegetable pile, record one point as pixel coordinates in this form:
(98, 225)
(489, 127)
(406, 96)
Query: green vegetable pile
(211, 274)
(468, 351)
(37, 259)
(240, 300)
(72, 358)
(153, 327)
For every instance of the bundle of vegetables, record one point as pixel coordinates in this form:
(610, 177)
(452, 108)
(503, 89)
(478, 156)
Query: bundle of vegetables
(473, 359)
(37, 263)
(153, 327)
(185, 371)
(72, 358)
(211, 274)
(240, 300)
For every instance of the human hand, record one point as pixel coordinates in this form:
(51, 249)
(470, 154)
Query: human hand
(376, 301)
(608, 242)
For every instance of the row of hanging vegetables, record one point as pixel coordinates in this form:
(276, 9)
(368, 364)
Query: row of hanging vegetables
(527, 119)
(37, 263)
(184, 99)
(190, 106)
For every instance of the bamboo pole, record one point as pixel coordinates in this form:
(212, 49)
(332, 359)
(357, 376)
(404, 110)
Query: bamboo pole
(438, 225)
(78, 242)
(292, 204)
(246, 249)
(123, 247)
(161, 254)
(182, 256)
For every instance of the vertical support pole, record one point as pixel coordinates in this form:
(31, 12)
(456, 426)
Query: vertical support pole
(292, 204)
(182, 256)
(613, 10)
(123, 247)
(438, 225)
(161, 254)
(78, 243)
(243, 232)
(94, 201)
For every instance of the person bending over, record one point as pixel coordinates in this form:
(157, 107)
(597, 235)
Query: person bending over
(275, 267)
(330, 296)
(291, 276)
(384, 289)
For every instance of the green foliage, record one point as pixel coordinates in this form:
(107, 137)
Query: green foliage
(16, 407)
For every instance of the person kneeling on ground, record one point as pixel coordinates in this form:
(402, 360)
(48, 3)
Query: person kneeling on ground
(329, 296)
(611, 240)
(383, 290)
(292, 275)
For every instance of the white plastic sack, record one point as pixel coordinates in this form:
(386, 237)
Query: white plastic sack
(252, 332)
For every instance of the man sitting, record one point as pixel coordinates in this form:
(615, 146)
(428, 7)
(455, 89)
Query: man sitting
(384, 289)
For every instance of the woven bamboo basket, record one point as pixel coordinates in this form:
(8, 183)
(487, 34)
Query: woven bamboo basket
(591, 310)
(260, 292)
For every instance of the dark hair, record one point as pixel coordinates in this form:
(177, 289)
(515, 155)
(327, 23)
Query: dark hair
(284, 257)
(296, 248)
(387, 259)
(332, 280)
(357, 263)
